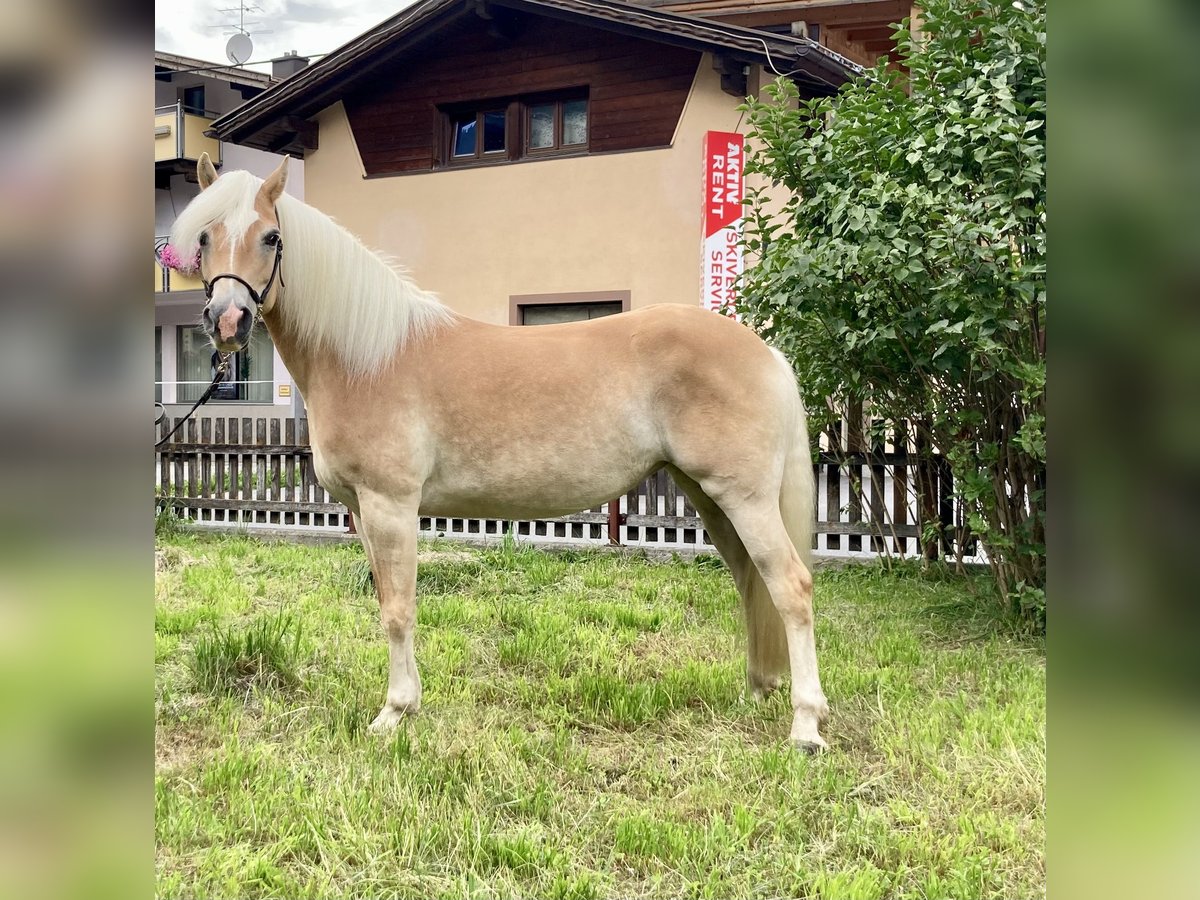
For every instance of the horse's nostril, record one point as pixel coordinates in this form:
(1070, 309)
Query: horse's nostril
(247, 318)
(208, 319)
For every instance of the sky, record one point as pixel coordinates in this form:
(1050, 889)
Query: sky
(310, 27)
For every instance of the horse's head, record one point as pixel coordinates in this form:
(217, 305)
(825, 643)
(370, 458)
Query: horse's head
(230, 232)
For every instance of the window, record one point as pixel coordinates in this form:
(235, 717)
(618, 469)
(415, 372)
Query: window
(572, 306)
(554, 313)
(478, 135)
(250, 377)
(193, 100)
(557, 125)
(507, 130)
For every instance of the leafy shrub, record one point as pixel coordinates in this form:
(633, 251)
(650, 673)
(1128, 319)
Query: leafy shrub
(906, 266)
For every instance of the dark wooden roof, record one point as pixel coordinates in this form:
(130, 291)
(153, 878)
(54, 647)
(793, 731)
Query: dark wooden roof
(276, 119)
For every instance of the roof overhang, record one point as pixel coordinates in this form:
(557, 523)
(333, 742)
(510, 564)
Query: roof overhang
(292, 101)
(170, 62)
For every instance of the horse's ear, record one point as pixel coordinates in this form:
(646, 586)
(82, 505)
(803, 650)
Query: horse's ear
(206, 172)
(273, 187)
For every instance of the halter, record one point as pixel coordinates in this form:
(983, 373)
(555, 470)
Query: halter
(258, 298)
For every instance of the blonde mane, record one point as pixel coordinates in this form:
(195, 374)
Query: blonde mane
(339, 294)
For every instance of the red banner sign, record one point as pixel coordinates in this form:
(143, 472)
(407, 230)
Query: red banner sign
(724, 157)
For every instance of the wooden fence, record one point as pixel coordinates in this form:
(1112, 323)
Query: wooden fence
(258, 474)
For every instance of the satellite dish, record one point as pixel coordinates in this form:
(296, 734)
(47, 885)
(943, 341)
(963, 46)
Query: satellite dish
(239, 48)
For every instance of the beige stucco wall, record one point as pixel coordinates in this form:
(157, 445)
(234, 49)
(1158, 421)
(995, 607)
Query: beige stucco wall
(622, 221)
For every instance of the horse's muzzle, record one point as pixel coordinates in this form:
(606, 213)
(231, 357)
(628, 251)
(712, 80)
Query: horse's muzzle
(229, 327)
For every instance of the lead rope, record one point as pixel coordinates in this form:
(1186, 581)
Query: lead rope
(222, 369)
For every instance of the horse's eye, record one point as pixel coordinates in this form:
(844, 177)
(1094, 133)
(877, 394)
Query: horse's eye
(204, 239)
(271, 238)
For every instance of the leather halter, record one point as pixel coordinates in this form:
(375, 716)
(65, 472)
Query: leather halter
(258, 298)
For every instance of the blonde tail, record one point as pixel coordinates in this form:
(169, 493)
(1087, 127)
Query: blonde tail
(767, 644)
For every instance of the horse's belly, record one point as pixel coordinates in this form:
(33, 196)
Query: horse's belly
(515, 488)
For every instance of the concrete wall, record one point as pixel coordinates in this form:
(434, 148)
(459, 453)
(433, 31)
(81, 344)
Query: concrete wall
(616, 222)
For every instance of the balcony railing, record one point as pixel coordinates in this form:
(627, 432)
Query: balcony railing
(168, 280)
(180, 135)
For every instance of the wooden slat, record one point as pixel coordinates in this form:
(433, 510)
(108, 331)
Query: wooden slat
(193, 462)
(946, 504)
(235, 457)
(666, 521)
(275, 460)
(878, 514)
(247, 459)
(219, 459)
(164, 480)
(591, 517)
(900, 479)
(260, 440)
(289, 463)
(206, 458)
(263, 505)
(833, 479)
(304, 461)
(854, 445)
(177, 486)
(861, 529)
(927, 487)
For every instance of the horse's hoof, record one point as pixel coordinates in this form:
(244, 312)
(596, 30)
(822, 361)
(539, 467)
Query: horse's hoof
(809, 746)
(387, 720)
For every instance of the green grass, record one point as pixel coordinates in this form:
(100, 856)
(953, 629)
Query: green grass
(584, 734)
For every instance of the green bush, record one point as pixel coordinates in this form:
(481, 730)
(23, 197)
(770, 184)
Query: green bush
(906, 265)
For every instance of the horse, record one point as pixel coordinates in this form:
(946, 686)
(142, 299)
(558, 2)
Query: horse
(417, 411)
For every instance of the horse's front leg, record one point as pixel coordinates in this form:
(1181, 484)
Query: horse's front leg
(389, 530)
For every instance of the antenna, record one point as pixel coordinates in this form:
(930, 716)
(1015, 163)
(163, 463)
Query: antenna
(239, 47)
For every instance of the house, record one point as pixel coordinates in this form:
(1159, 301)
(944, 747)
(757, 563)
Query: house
(189, 94)
(860, 30)
(533, 161)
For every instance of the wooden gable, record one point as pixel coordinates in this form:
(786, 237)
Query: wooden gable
(637, 88)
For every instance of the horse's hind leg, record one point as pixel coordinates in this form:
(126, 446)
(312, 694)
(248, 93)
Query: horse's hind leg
(766, 639)
(390, 536)
(759, 524)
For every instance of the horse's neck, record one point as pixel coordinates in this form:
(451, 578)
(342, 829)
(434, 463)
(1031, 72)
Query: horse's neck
(298, 360)
(318, 373)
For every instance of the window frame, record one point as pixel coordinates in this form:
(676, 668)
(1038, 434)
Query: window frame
(517, 112)
(559, 101)
(518, 303)
(450, 119)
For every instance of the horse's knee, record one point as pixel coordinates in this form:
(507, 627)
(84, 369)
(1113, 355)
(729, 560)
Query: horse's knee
(794, 600)
(397, 619)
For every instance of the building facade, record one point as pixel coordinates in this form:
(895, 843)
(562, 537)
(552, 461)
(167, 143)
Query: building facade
(534, 161)
(189, 95)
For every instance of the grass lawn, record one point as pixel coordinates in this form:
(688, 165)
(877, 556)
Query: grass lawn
(584, 734)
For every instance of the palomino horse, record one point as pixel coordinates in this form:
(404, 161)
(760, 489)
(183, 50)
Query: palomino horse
(415, 411)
